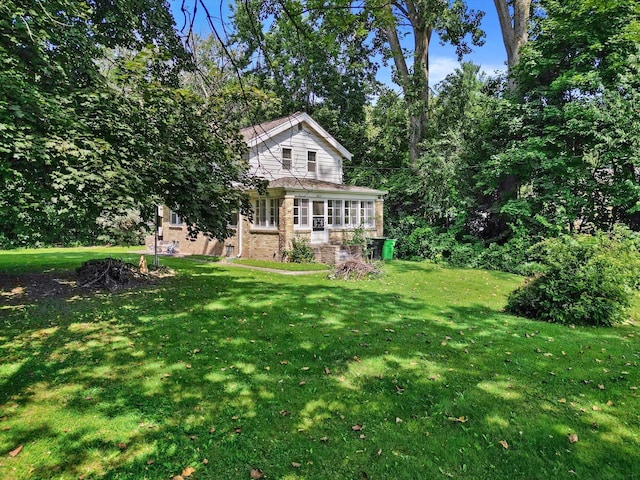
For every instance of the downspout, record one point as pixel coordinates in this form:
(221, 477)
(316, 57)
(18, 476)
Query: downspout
(240, 222)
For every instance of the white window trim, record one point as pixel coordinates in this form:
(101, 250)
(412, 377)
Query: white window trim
(290, 159)
(315, 162)
(303, 203)
(268, 219)
(174, 219)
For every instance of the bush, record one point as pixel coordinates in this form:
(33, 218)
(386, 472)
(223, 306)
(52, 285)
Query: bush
(300, 251)
(587, 279)
(126, 229)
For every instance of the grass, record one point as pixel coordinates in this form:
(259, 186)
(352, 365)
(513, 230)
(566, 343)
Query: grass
(417, 374)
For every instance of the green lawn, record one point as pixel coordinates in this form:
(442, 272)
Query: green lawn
(220, 370)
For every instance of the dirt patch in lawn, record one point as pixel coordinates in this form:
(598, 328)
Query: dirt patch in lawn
(15, 289)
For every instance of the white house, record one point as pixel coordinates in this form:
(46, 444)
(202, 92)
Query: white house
(306, 197)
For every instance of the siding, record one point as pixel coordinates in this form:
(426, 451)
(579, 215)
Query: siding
(266, 158)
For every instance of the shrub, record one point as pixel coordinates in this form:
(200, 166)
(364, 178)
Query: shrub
(587, 279)
(300, 251)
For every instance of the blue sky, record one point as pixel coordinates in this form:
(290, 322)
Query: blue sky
(491, 56)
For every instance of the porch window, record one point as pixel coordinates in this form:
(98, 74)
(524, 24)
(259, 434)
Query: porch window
(266, 212)
(174, 219)
(286, 158)
(301, 212)
(367, 213)
(311, 162)
(351, 213)
(334, 213)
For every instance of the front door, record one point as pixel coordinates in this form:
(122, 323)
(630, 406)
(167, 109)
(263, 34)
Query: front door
(319, 233)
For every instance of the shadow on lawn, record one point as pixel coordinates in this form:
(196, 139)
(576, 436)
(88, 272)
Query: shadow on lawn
(255, 370)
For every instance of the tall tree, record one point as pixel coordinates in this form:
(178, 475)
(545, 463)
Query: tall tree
(452, 21)
(514, 23)
(578, 159)
(321, 50)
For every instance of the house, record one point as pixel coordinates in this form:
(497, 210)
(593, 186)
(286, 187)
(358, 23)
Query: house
(306, 197)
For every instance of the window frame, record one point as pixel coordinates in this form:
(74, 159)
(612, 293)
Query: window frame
(266, 212)
(287, 162)
(174, 219)
(301, 213)
(310, 162)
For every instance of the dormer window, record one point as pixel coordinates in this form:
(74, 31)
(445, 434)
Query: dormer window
(311, 162)
(286, 158)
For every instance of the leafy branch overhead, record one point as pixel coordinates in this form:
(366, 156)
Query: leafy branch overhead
(94, 123)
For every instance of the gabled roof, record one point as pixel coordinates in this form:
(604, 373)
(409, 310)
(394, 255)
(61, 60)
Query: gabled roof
(257, 134)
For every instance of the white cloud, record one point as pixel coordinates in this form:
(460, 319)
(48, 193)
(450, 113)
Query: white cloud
(440, 67)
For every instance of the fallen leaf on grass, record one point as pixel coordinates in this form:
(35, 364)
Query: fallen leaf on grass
(357, 427)
(573, 438)
(601, 387)
(187, 472)
(15, 452)
(504, 444)
(457, 419)
(296, 464)
(256, 474)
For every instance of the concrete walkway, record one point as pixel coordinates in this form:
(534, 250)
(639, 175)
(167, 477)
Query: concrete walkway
(271, 270)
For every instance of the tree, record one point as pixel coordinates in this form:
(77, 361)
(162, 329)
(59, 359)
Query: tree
(93, 122)
(578, 157)
(451, 21)
(320, 51)
(513, 16)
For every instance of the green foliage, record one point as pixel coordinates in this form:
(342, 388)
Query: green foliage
(300, 251)
(93, 123)
(578, 158)
(587, 279)
(124, 230)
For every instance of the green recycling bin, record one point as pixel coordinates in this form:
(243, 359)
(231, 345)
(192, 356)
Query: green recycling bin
(387, 249)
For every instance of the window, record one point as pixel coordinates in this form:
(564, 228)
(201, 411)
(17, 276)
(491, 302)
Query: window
(286, 158)
(334, 212)
(367, 213)
(233, 220)
(311, 162)
(174, 219)
(351, 213)
(301, 212)
(266, 212)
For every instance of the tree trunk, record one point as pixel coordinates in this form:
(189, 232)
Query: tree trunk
(515, 30)
(415, 85)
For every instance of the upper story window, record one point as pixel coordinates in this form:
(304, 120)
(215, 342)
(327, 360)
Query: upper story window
(266, 212)
(311, 162)
(286, 158)
(174, 218)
